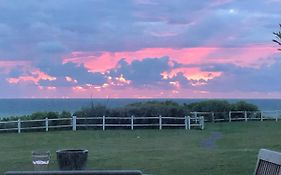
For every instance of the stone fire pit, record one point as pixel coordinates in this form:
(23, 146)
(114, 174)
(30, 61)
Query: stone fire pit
(72, 159)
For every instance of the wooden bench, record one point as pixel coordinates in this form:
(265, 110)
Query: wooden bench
(269, 163)
(84, 172)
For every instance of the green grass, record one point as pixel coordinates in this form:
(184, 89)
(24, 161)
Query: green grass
(163, 152)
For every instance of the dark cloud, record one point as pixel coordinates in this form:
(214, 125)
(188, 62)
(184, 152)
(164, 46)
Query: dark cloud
(59, 82)
(51, 47)
(16, 72)
(146, 72)
(75, 72)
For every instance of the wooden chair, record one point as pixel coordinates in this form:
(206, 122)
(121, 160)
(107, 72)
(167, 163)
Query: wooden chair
(269, 163)
(84, 172)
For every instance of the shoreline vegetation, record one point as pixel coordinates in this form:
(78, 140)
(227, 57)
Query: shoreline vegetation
(144, 109)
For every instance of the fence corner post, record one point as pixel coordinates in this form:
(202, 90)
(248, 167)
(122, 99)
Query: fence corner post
(74, 122)
(19, 126)
(46, 124)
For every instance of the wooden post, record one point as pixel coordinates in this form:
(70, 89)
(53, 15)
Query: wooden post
(202, 122)
(188, 120)
(276, 119)
(47, 124)
(185, 122)
(261, 116)
(74, 122)
(196, 117)
(213, 117)
(160, 122)
(103, 123)
(19, 126)
(245, 116)
(132, 122)
(229, 116)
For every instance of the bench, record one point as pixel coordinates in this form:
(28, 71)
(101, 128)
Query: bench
(269, 163)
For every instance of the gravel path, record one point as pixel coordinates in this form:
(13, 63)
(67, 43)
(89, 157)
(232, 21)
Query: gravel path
(210, 142)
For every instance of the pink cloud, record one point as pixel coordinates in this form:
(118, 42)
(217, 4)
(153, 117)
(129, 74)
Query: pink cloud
(191, 74)
(107, 60)
(35, 77)
(249, 56)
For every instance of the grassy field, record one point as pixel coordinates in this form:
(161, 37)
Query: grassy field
(165, 152)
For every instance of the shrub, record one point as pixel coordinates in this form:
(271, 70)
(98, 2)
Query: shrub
(244, 106)
(220, 106)
(210, 106)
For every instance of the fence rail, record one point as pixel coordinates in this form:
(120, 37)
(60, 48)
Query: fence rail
(194, 120)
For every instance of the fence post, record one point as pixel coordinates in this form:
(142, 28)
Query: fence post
(185, 122)
(276, 119)
(103, 123)
(245, 116)
(74, 122)
(188, 120)
(202, 122)
(47, 124)
(19, 126)
(132, 122)
(229, 116)
(160, 122)
(261, 116)
(213, 117)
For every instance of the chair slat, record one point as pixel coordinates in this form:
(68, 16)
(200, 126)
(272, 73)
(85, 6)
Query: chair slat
(269, 163)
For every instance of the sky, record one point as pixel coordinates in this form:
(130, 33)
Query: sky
(139, 49)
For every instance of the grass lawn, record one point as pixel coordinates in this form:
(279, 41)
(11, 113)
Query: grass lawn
(165, 152)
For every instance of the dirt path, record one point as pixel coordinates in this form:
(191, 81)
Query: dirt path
(210, 142)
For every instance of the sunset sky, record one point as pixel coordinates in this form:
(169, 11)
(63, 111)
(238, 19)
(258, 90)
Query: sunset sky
(139, 49)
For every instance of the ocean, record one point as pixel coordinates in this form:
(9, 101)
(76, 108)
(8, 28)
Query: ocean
(17, 107)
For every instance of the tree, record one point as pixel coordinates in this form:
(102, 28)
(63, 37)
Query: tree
(278, 37)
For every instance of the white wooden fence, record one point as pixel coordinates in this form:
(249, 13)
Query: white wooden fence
(239, 115)
(74, 123)
(195, 120)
